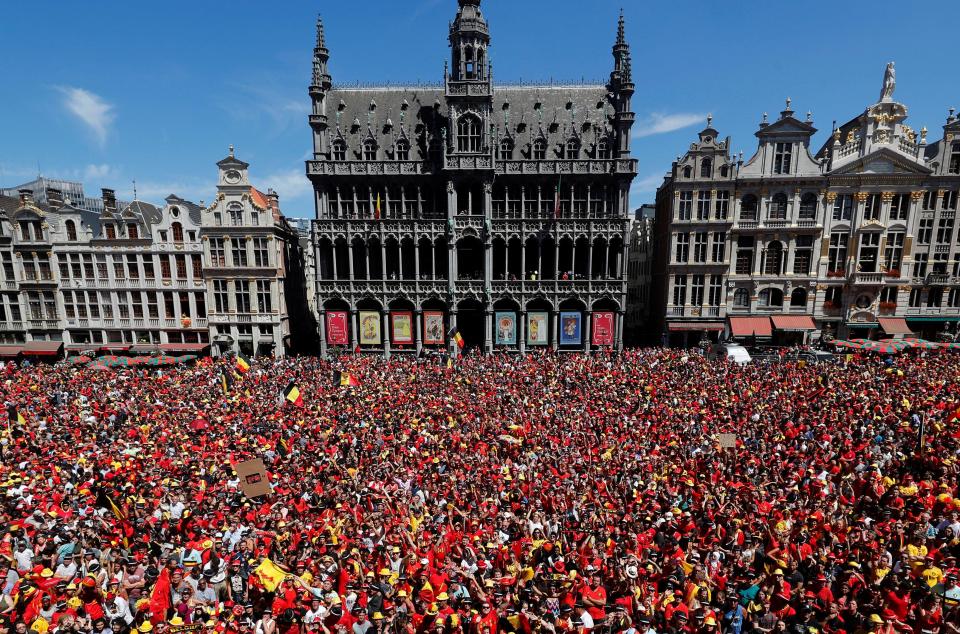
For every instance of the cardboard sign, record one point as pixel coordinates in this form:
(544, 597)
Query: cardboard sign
(727, 441)
(253, 478)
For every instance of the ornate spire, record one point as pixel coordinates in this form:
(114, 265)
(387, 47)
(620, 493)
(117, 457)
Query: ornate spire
(622, 69)
(621, 33)
(321, 56)
(321, 39)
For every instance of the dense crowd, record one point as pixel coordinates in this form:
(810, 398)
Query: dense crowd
(540, 494)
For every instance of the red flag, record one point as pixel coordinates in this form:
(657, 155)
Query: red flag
(32, 611)
(160, 597)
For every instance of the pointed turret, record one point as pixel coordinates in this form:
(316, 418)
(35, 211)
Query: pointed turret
(321, 58)
(622, 87)
(320, 85)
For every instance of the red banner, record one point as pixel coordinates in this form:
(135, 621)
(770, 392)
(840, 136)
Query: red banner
(337, 331)
(602, 329)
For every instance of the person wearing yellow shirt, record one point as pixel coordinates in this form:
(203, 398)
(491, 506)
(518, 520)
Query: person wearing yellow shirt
(916, 552)
(931, 574)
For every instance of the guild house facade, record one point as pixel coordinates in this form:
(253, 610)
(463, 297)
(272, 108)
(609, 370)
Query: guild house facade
(497, 211)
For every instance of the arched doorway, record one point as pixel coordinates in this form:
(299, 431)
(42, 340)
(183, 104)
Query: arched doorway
(532, 259)
(499, 258)
(359, 259)
(470, 323)
(375, 253)
(470, 258)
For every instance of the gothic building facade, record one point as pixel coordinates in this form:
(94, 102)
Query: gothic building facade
(498, 211)
(855, 239)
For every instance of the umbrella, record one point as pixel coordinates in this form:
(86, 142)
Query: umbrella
(922, 343)
(96, 365)
(185, 358)
(949, 346)
(113, 361)
(899, 344)
(841, 343)
(866, 343)
(79, 360)
(159, 360)
(884, 348)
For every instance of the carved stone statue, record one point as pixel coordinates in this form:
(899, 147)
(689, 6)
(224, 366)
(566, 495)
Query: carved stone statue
(889, 83)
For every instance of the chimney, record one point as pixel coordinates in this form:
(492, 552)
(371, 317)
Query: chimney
(274, 199)
(54, 197)
(26, 196)
(109, 200)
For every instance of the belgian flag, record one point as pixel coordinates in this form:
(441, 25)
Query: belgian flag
(14, 415)
(292, 394)
(243, 364)
(345, 379)
(283, 447)
(448, 361)
(106, 501)
(455, 335)
(226, 381)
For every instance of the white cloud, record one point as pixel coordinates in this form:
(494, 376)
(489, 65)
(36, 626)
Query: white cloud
(658, 123)
(156, 191)
(643, 189)
(249, 102)
(98, 172)
(91, 109)
(289, 184)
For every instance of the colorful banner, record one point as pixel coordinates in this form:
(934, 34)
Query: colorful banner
(506, 323)
(602, 329)
(370, 328)
(538, 329)
(433, 328)
(570, 334)
(337, 331)
(402, 327)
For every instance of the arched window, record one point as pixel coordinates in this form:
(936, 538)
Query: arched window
(770, 297)
(778, 207)
(741, 298)
(339, 151)
(773, 264)
(955, 159)
(687, 171)
(539, 150)
(481, 65)
(603, 149)
(236, 215)
(724, 171)
(403, 150)
(506, 149)
(808, 206)
(370, 150)
(798, 298)
(468, 133)
(71, 231)
(706, 168)
(177, 230)
(469, 64)
(573, 149)
(748, 207)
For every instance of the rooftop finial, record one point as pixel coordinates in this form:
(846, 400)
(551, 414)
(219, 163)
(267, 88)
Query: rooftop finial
(231, 150)
(889, 83)
(789, 101)
(809, 116)
(709, 119)
(134, 189)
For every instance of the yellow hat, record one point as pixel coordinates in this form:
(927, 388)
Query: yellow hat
(377, 616)
(40, 625)
(146, 626)
(778, 571)
(710, 621)
(176, 621)
(402, 593)
(74, 602)
(443, 596)
(46, 573)
(875, 618)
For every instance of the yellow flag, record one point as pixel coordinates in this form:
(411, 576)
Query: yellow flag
(270, 575)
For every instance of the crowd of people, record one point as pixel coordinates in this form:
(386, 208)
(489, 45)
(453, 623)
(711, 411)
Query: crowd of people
(538, 494)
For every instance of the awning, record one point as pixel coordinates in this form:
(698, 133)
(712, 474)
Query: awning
(144, 348)
(750, 326)
(793, 323)
(184, 347)
(675, 326)
(115, 347)
(895, 326)
(8, 352)
(42, 348)
(940, 318)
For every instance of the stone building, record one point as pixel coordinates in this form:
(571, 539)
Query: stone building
(640, 259)
(115, 279)
(501, 211)
(856, 239)
(248, 247)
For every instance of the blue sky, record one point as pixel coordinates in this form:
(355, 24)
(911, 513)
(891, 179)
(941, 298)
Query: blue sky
(111, 91)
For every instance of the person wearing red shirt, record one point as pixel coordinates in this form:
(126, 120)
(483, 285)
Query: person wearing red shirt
(594, 597)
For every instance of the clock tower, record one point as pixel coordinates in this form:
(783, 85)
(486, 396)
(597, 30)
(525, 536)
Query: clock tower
(232, 173)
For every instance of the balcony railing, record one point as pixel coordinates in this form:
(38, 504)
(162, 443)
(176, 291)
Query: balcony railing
(937, 279)
(696, 311)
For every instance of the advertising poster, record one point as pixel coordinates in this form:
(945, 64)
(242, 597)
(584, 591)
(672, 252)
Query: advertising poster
(538, 329)
(602, 329)
(370, 328)
(433, 328)
(506, 323)
(570, 329)
(337, 328)
(402, 327)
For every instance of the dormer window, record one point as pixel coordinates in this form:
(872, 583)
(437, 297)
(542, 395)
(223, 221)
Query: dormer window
(110, 231)
(687, 171)
(955, 159)
(782, 158)
(132, 232)
(177, 230)
(506, 150)
(539, 150)
(71, 230)
(339, 151)
(573, 149)
(370, 150)
(468, 133)
(706, 168)
(603, 149)
(403, 151)
(236, 215)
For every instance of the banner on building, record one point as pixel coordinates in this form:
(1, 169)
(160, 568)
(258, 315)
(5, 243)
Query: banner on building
(506, 323)
(402, 327)
(370, 328)
(433, 328)
(337, 331)
(570, 329)
(538, 329)
(602, 329)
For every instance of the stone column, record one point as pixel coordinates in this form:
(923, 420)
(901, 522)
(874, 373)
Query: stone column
(452, 347)
(522, 330)
(488, 331)
(355, 329)
(587, 325)
(555, 318)
(385, 328)
(417, 335)
(618, 339)
(323, 332)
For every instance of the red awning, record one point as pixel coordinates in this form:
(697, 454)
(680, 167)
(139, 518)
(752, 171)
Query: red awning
(675, 326)
(184, 347)
(10, 351)
(750, 326)
(115, 347)
(793, 322)
(42, 348)
(895, 326)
